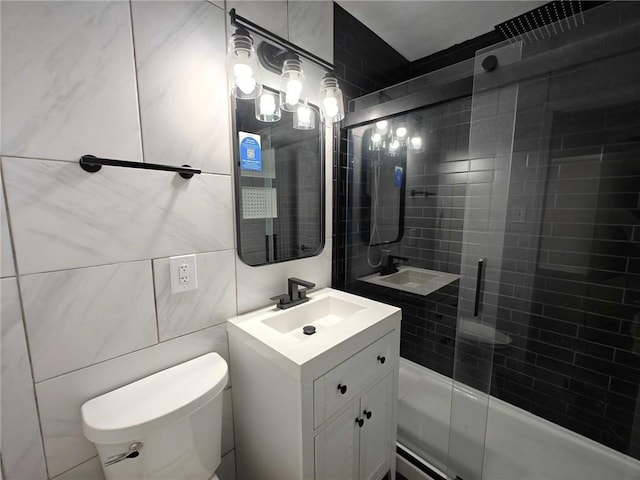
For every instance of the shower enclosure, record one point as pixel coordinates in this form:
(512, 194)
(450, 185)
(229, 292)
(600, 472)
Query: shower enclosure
(503, 207)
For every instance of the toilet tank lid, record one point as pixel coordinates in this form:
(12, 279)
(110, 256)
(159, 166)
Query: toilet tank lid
(133, 411)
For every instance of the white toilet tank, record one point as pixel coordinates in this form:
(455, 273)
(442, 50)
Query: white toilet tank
(165, 426)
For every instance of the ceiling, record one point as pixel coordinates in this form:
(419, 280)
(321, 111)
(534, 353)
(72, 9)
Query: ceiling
(419, 28)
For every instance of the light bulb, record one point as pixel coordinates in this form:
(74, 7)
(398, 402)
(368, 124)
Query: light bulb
(376, 137)
(303, 117)
(416, 143)
(330, 105)
(244, 77)
(401, 132)
(381, 125)
(394, 145)
(267, 104)
(304, 114)
(294, 89)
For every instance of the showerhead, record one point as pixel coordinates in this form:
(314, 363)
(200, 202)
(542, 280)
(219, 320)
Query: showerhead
(555, 17)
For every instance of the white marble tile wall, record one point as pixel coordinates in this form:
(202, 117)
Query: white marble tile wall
(6, 252)
(270, 14)
(227, 468)
(309, 22)
(68, 83)
(228, 439)
(22, 454)
(218, 3)
(63, 217)
(110, 78)
(256, 285)
(212, 303)
(89, 470)
(184, 109)
(60, 398)
(91, 314)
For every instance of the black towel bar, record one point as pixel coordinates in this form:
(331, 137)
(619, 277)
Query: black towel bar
(92, 164)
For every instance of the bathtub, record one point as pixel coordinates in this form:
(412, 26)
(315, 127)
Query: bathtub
(519, 445)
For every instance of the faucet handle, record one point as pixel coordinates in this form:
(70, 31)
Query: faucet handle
(282, 299)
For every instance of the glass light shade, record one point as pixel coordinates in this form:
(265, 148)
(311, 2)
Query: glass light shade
(291, 84)
(416, 144)
(382, 127)
(267, 108)
(402, 134)
(331, 102)
(243, 69)
(304, 117)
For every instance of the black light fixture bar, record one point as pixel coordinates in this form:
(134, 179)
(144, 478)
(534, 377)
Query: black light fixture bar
(92, 164)
(239, 21)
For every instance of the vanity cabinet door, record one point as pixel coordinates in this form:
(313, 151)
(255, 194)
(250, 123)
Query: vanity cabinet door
(337, 448)
(375, 435)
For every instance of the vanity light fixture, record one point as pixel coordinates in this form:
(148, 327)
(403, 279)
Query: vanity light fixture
(304, 117)
(242, 66)
(332, 103)
(267, 107)
(382, 127)
(292, 83)
(402, 134)
(394, 147)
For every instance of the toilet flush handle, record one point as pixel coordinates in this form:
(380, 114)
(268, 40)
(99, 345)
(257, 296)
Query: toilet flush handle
(133, 452)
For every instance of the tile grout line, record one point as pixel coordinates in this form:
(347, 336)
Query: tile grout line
(24, 325)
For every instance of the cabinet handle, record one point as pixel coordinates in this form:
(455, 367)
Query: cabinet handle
(360, 422)
(367, 413)
(342, 388)
(381, 359)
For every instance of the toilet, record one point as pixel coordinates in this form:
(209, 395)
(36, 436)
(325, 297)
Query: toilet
(164, 426)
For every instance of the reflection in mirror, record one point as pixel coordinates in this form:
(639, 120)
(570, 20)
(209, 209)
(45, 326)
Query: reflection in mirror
(383, 147)
(279, 174)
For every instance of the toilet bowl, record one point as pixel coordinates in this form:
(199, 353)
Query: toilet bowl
(165, 426)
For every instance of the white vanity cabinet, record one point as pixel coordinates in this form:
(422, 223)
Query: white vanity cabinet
(357, 444)
(316, 408)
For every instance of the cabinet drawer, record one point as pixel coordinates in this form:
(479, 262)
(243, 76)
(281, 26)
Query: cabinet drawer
(345, 382)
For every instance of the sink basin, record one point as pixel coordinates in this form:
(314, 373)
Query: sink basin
(413, 280)
(340, 319)
(324, 313)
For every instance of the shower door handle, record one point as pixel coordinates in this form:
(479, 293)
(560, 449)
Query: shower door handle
(476, 304)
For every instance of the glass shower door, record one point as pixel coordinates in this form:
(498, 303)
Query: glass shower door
(556, 227)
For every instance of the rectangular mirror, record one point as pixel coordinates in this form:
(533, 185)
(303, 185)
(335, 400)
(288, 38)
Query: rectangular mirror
(381, 181)
(279, 180)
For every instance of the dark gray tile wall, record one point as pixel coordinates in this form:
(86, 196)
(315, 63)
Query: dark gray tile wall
(363, 61)
(432, 233)
(363, 64)
(570, 286)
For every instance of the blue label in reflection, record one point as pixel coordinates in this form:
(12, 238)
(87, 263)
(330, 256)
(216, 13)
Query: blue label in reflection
(397, 177)
(250, 153)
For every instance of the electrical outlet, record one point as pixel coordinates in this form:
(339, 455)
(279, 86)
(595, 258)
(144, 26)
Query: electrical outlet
(184, 276)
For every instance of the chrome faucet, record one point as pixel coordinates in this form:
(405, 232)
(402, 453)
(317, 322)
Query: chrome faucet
(295, 295)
